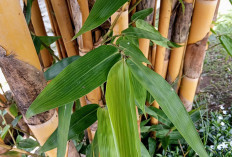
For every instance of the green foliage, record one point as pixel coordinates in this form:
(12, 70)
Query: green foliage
(100, 12)
(28, 11)
(56, 68)
(106, 144)
(121, 107)
(169, 102)
(64, 116)
(78, 79)
(80, 120)
(141, 14)
(226, 42)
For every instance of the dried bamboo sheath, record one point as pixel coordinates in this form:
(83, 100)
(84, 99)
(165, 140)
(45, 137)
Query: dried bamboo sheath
(195, 51)
(23, 71)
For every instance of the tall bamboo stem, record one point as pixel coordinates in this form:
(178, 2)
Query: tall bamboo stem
(164, 20)
(64, 22)
(56, 30)
(25, 78)
(180, 36)
(39, 29)
(195, 52)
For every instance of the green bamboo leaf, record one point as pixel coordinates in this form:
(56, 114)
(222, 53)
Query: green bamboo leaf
(100, 12)
(56, 68)
(16, 120)
(231, 2)
(148, 27)
(37, 43)
(159, 114)
(28, 11)
(183, 6)
(48, 40)
(105, 134)
(5, 131)
(139, 94)
(94, 151)
(121, 107)
(226, 42)
(141, 33)
(76, 80)
(170, 104)
(80, 120)
(144, 151)
(27, 143)
(133, 51)
(141, 14)
(64, 116)
(152, 146)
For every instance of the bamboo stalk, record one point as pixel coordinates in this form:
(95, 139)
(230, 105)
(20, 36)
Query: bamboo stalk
(25, 77)
(144, 44)
(164, 21)
(195, 52)
(153, 52)
(56, 31)
(39, 29)
(180, 36)
(64, 22)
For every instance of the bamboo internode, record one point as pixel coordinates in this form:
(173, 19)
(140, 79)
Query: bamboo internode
(23, 64)
(180, 36)
(195, 52)
(39, 29)
(64, 22)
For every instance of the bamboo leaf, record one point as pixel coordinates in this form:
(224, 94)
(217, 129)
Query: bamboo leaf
(94, 151)
(159, 114)
(141, 14)
(105, 134)
(226, 42)
(148, 27)
(141, 33)
(56, 68)
(100, 12)
(170, 104)
(139, 94)
(76, 80)
(152, 146)
(28, 11)
(48, 40)
(80, 120)
(64, 115)
(27, 143)
(133, 51)
(121, 107)
(5, 131)
(144, 151)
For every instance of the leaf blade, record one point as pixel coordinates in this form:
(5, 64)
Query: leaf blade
(170, 104)
(78, 79)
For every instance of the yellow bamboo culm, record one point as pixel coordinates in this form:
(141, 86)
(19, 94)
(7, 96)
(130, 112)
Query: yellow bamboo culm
(56, 31)
(180, 36)
(64, 22)
(195, 52)
(14, 28)
(164, 20)
(39, 29)
(122, 22)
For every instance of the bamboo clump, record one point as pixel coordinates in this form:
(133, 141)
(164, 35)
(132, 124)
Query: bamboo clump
(26, 57)
(195, 51)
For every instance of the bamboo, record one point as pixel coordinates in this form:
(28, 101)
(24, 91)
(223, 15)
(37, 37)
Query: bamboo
(14, 28)
(164, 21)
(39, 29)
(180, 36)
(64, 22)
(195, 52)
(144, 44)
(153, 53)
(56, 30)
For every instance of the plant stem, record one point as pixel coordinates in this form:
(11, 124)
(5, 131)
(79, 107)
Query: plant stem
(18, 150)
(132, 8)
(9, 130)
